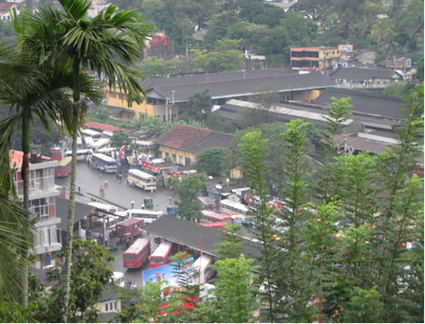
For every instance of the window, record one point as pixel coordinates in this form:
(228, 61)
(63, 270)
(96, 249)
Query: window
(116, 305)
(167, 155)
(181, 160)
(174, 158)
(106, 307)
(111, 306)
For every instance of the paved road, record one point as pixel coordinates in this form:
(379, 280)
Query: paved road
(117, 193)
(121, 195)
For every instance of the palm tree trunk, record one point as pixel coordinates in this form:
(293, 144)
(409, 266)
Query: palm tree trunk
(70, 226)
(26, 205)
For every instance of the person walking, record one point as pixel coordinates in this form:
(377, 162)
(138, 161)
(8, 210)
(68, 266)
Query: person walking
(106, 183)
(169, 198)
(132, 203)
(79, 188)
(142, 206)
(120, 177)
(101, 190)
(100, 175)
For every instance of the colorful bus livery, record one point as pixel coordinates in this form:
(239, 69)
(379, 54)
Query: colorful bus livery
(82, 155)
(208, 203)
(137, 253)
(141, 179)
(160, 256)
(64, 168)
(104, 163)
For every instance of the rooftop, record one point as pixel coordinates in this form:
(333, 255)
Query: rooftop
(363, 102)
(102, 127)
(230, 85)
(81, 211)
(360, 74)
(193, 139)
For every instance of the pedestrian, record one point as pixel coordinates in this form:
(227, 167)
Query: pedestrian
(106, 183)
(79, 188)
(100, 175)
(106, 241)
(127, 243)
(101, 190)
(169, 198)
(132, 203)
(120, 177)
(142, 206)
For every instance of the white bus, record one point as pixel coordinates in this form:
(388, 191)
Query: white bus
(88, 140)
(148, 216)
(107, 150)
(104, 163)
(81, 154)
(141, 179)
(202, 267)
(242, 210)
(103, 142)
(91, 133)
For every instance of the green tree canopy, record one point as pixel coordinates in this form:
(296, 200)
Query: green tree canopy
(210, 160)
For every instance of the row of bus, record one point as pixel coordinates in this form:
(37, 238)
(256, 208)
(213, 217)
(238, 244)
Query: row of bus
(140, 251)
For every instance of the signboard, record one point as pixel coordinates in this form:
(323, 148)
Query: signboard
(345, 48)
(166, 272)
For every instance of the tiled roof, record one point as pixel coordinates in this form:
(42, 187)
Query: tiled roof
(106, 295)
(362, 144)
(193, 139)
(239, 87)
(363, 73)
(369, 103)
(102, 127)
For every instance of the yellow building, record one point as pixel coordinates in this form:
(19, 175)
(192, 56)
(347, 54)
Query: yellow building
(181, 143)
(314, 59)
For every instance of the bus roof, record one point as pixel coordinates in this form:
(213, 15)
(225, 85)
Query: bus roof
(65, 161)
(129, 222)
(138, 245)
(234, 204)
(103, 157)
(91, 132)
(162, 248)
(144, 211)
(100, 142)
(140, 173)
(89, 140)
(206, 200)
(106, 149)
(103, 206)
(213, 214)
(204, 261)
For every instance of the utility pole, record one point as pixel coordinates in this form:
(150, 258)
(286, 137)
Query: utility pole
(172, 104)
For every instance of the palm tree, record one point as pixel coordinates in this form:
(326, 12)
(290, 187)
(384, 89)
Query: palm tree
(16, 229)
(108, 45)
(381, 31)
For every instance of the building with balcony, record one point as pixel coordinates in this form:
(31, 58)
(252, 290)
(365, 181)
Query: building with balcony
(42, 195)
(314, 59)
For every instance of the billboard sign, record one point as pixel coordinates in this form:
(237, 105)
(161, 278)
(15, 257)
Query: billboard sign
(166, 272)
(345, 48)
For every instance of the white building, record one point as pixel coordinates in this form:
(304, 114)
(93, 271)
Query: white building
(42, 195)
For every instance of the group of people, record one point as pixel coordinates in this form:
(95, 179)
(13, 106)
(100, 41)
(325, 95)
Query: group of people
(131, 284)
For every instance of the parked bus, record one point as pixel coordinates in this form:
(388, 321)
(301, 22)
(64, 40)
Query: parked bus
(64, 168)
(107, 151)
(239, 208)
(202, 266)
(148, 216)
(141, 179)
(212, 217)
(55, 153)
(104, 163)
(88, 141)
(212, 225)
(160, 256)
(235, 216)
(81, 154)
(208, 203)
(137, 253)
(103, 142)
(128, 228)
(91, 133)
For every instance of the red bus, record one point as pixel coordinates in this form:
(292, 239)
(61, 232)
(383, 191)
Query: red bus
(159, 257)
(212, 225)
(55, 154)
(64, 168)
(128, 228)
(137, 253)
(208, 203)
(212, 217)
